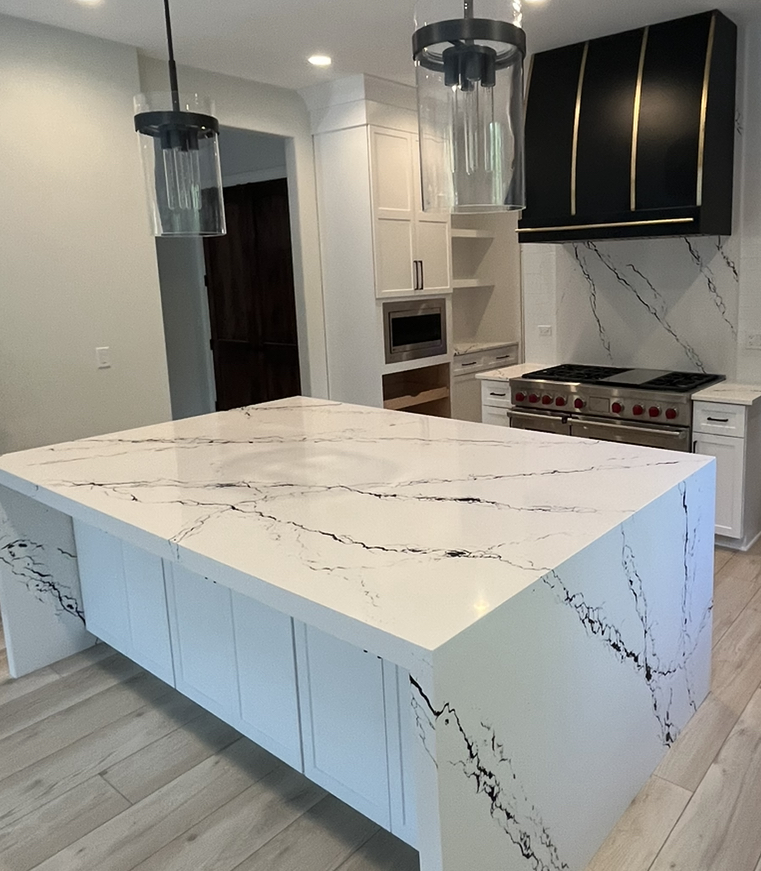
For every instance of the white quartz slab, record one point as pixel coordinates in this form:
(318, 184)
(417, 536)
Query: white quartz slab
(395, 527)
(730, 393)
(508, 372)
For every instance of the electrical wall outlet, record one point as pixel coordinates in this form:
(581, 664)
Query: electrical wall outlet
(103, 357)
(545, 330)
(753, 342)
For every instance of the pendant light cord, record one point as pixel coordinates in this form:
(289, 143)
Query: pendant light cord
(173, 84)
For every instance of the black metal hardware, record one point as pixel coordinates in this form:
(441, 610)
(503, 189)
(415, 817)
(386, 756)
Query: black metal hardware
(463, 365)
(718, 419)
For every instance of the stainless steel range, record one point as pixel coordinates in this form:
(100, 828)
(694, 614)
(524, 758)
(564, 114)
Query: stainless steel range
(638, 406)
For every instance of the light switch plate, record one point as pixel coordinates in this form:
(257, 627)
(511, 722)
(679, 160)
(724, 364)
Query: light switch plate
(753, 342)
(103, 357)
(545, 330)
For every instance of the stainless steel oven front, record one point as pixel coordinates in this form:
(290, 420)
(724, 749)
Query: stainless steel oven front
(414, 329)
(672, 438)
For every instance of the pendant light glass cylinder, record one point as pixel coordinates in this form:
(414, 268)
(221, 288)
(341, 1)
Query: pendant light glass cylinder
(469, 67)
(179, 146)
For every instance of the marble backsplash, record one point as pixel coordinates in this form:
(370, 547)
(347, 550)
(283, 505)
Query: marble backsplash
(655, 303)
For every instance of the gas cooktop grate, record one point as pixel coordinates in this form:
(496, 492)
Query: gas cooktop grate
(572, 372)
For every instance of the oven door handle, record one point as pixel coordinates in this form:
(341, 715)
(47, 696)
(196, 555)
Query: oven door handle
(528, 415)
(618, 427)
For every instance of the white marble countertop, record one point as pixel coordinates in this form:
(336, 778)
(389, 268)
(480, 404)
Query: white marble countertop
(463, 348)
(508, 372)
(730, 392)
(412, 527)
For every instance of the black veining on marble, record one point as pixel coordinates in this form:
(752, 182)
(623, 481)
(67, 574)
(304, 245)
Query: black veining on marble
(660, 316)
(644, 658)
(707, 273)
(593, 302)
(481, 763)
(25, 560)
(730, 264)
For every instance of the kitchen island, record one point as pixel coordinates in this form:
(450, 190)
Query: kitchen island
(483, 638)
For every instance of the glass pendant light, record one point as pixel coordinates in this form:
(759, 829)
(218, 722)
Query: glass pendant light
(180, 152)
(469, 66)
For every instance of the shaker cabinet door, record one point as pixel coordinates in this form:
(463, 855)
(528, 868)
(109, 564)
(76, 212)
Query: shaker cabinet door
(269, 708)
(201, 621)
(125, 599)
(730, 472)
(343, 721)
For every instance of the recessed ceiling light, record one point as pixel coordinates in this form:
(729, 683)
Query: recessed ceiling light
(89, 2)
(320, 60)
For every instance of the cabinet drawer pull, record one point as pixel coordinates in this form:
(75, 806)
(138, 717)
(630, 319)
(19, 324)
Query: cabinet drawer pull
(718, 419)
(504, 357)
(497, 394)
(463, 365)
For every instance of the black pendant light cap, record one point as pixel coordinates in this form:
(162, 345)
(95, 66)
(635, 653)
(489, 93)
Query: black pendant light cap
(457, 30)
(157, 123)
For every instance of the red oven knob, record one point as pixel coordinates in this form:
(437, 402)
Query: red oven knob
(672, 413)
(579, 403)
(638, 410)
(654, 411)
(560, 401)
(617, 408)
(546, 400)
(520, 397)
(533, 398)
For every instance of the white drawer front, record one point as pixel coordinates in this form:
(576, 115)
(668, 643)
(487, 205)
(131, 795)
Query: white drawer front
(495, 416)
(499, 357)
(468, 363)
(495, 393)
(719, 418)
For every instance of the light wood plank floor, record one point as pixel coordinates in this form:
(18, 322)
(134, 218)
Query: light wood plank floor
(105, 768)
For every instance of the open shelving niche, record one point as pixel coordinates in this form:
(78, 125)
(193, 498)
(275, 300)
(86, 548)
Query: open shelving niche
(422, 391)
(485, 279)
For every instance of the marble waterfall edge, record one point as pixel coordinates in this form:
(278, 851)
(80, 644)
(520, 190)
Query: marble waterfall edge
(40, 598)
(546, 744)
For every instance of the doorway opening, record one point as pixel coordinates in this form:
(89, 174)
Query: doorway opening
(229, 303)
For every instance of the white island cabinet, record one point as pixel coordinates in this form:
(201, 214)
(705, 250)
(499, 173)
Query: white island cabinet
(458, 630)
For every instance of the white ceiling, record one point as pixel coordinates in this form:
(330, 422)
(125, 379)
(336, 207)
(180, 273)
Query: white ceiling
(270, 41)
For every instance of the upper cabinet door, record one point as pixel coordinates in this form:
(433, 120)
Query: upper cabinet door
(394, 210)
(433, 239)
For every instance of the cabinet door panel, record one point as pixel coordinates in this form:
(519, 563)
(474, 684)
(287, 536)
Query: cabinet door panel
(104, 589)
(146, 596)
(730, 470)
(393, 190)
(201, 621)
(394, 247)
(433, 248)
(269, 708)
(343, 721)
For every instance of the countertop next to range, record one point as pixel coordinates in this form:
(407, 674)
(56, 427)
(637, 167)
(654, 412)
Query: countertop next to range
(376, 524)
(508, 372)
(730, 393)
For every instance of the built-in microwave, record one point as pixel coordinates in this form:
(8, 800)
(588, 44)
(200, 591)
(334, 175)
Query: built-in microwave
(414, 329)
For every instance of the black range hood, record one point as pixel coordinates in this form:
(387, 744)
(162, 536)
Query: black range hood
(632, 135)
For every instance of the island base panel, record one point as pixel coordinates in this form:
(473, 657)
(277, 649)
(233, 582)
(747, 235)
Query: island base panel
(535, 749)
(41, 603)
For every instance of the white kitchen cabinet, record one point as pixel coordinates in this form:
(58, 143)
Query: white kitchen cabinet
(343, 721)
(266, 664)
(466, 388)
(124, 598)
(203, 643)
(412, 250)
(732, 434)
(730, 471)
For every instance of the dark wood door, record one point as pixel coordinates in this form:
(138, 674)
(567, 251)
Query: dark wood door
(252, 306)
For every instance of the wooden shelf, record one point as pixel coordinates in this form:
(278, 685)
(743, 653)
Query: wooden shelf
(402, 402)
(471, 234)
(470, 282)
